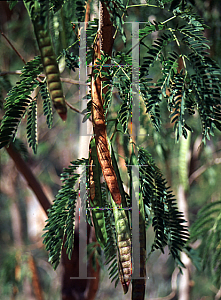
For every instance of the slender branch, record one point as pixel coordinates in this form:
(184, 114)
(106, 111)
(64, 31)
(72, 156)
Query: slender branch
(142, 4)
(67, 80)
(72, 81)
(32, 181)
(73, 108)
(16, 51)
(202, 169)
(10, 73)
(166, 21)
(120, 68)
(148, 34)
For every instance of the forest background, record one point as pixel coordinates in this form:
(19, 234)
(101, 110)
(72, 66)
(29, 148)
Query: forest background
(25, 270)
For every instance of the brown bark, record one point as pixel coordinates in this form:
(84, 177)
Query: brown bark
(184, 284)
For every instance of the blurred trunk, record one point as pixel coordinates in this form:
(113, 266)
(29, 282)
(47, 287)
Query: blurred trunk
(184, 159)
(35, 279)
(184, 283)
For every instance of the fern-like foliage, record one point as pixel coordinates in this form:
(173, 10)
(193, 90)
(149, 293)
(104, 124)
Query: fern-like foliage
(5, 85)
(21, 148)
(167, 221)
(72, 61)
(61, 216)
(80, 10)
(32, 125)
(107, 96)
(91, 36)
(121, 74)
(176, 102)
(125, 111)
(117, 9)
(110, 250)
(12, 3)
(189, 79)
(56, 4)
(18, 101)
(152, 92)
(207, 228)
(47, 104)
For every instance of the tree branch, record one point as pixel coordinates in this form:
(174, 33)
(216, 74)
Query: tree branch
(67, 80)
(32, 181)
(16, 51)
(203, 168)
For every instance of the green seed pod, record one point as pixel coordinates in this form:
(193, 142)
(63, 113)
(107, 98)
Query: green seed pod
(124, 245)
(96, 196)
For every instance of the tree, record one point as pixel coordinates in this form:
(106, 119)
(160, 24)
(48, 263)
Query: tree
(185, 81)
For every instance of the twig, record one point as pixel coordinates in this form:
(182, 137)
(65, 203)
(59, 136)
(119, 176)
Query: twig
(67, 80)
(10, 73)
(202, 169)
(76, 110)
(16, 51)
(72, 81)
(73, 108)
(138, 5)
(43, 76)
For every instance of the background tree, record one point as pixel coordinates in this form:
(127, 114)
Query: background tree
(188, 82)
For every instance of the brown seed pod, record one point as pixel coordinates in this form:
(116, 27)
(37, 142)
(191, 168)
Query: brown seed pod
(51, 68)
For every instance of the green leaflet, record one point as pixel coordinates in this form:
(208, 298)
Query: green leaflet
(61, 216)
(96, 196)
(18, 100)
(32, 126)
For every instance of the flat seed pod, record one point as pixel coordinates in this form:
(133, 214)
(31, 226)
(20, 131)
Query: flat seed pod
(56, 94)
(49, 60)
(96, 196)
(50, 67)
(46, 51)
(53, 78)
(124, 245)
(53, 86)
